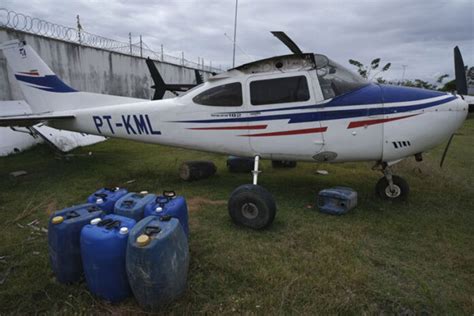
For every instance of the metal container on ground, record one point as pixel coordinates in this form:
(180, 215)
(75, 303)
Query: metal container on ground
(157, 261)
(64, 231)
(132, 205)
(106, 198)
(337, 200)
(103, 248)
(170, 204)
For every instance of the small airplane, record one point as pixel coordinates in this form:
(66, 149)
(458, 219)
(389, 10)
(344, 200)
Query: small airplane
(296, 107)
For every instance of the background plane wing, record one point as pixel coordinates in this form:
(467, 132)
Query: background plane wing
(31, 119)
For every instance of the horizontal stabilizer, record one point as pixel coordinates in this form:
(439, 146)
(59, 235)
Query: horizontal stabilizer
(31, 119)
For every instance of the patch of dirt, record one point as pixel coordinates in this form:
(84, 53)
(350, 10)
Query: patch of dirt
(196, 203)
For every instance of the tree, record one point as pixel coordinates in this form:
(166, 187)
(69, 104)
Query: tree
(365, 71)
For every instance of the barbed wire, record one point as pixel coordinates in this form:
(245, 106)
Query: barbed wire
(25, 23)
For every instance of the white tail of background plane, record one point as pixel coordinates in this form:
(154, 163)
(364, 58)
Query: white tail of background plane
(43, 90)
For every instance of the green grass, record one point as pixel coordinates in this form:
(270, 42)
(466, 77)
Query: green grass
(413, 257)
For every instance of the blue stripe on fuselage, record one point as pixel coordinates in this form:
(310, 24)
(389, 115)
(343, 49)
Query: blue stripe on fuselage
(326, 115)
(49, 83)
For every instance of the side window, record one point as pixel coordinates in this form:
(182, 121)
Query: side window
(280, 90)
(224, 95)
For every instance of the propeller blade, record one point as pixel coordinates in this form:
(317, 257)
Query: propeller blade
(446, 151)
(460, 72)
(288, 42)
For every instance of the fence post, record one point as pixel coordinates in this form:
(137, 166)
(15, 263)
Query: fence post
(162, 55)
(182, 58)
(79, 28)
(130, 41)
(141, 46)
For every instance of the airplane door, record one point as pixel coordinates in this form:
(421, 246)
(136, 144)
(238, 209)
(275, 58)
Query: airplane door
(282, 106)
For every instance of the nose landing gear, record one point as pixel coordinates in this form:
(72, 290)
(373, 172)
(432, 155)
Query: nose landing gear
(251, 205)
(391, 187)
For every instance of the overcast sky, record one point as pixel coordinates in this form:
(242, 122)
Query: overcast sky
(420, 34)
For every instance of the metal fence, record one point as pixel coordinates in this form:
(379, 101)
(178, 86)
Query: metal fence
(25, 23)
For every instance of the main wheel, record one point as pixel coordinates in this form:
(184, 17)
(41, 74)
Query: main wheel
(399, 191)
(252, 206)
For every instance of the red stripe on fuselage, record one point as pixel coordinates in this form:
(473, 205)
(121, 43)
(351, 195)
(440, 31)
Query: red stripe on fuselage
(293, 132)
(229, 127)
(377, 121)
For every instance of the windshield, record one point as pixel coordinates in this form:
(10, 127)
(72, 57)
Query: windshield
(335, 80)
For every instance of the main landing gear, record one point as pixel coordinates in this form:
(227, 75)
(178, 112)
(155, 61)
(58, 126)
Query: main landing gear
(251, 205)
(391, 187)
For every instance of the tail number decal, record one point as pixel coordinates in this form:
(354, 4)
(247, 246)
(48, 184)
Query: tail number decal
(135, 124)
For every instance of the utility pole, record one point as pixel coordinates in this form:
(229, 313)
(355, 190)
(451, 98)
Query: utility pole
(235, 33)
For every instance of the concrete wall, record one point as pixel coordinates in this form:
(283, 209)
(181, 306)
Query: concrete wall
(91, 69)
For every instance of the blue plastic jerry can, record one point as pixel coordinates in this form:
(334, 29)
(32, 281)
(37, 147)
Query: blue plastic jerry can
(170, 204)
(103, 247)
(64, 230)
(161, 241)
(132, 205)
(337, 200)
(106, 198)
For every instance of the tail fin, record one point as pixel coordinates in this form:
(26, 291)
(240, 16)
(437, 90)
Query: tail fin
(42, 89)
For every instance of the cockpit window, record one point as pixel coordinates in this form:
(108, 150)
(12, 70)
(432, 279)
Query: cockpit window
(335, 80)
(225, 95)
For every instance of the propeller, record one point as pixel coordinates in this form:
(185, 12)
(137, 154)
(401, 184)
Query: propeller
(161, 87)
(461, 88)
(460, 72)
(285, 39)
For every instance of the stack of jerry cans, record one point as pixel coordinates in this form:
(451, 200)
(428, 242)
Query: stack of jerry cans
(157, 261)
(170, 204)
(337, 200)
(64, 230)
(106, 198)
(132, 205)
(103, 247)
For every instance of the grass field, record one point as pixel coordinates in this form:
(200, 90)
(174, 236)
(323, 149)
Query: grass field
(413, 257)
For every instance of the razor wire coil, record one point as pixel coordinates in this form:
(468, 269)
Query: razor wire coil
(25, 23)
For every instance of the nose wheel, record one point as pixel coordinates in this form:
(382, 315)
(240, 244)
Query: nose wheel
(251, 205)
(391, 187)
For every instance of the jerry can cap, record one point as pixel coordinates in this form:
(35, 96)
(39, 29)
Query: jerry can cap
(143, 192)
(57, 220)
(159, 209)
(143, 240)
(96, 221)
(123, 230)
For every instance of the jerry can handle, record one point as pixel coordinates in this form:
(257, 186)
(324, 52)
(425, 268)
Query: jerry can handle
(72, 214)
(111, 189)
(113, 224)
(152, 230)
(105, 222)
(165, 218)
(101, 195)
(128, 202)
(169, 194)
(93, 208)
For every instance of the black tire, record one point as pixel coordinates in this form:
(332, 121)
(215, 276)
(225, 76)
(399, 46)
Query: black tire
(252, 206)
(400, 193)
(283, 164)
(240, 164)
(196, 170)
